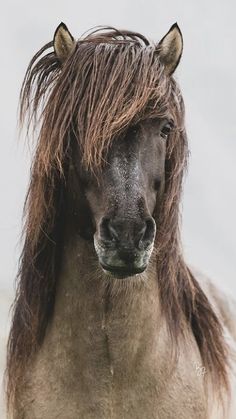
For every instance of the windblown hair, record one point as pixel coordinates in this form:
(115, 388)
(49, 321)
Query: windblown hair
(112, 80)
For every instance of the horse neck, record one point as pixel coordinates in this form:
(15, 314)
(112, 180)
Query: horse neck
(94, 308)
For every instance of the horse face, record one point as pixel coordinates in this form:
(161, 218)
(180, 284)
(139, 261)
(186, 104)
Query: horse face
(123, 198)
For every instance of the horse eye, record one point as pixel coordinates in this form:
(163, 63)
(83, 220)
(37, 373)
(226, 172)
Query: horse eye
(134, 130)
(166, 129)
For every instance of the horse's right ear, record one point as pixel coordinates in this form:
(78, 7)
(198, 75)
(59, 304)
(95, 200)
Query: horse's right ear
(63, 42)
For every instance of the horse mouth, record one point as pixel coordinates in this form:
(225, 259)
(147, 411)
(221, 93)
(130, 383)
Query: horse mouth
(123, 272)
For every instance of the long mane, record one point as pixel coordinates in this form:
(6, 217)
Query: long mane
(113, 79)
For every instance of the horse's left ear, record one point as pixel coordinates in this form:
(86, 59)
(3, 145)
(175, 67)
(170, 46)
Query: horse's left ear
(170, 48)
(63, 42)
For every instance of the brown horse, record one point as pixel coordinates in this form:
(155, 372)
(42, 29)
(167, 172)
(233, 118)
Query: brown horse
(109, 322)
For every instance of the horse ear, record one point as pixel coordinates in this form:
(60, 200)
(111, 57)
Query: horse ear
(63, 42)
(170, 48)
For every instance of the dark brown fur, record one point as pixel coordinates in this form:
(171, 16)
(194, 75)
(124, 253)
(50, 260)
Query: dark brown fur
(112, 80)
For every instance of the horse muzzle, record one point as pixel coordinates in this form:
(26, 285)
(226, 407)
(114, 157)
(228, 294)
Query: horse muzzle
(124, 246)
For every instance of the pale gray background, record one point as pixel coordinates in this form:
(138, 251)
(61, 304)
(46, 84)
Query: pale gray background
(208, 79)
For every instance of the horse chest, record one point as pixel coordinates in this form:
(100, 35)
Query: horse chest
(115, 367)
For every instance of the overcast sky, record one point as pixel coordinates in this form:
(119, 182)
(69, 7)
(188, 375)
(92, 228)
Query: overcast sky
(207, 76)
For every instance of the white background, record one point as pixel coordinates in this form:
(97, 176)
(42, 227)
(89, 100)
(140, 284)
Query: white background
(207, 76)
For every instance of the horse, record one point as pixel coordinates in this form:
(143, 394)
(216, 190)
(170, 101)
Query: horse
(109, 321)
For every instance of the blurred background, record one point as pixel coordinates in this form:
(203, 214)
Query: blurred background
(207, 76)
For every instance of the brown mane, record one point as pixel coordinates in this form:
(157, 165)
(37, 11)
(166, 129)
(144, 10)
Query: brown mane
(111, 80)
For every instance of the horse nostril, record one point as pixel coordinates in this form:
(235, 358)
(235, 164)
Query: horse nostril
(148, 232)
(114, 234)
(104, 229)
(107, 231)
(140, 233)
